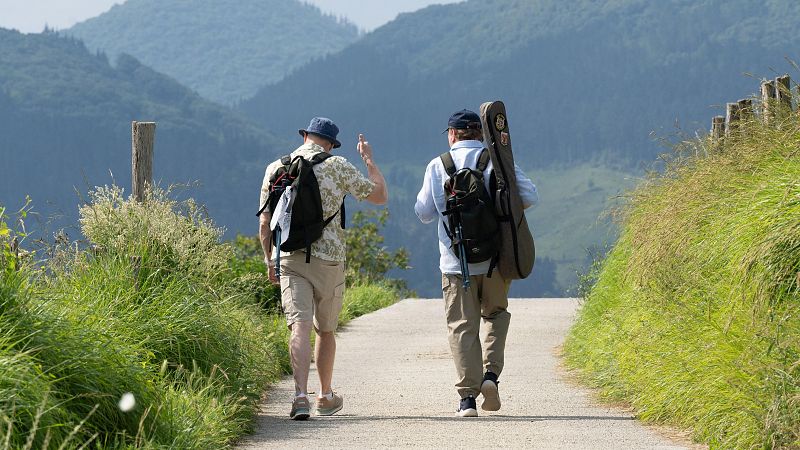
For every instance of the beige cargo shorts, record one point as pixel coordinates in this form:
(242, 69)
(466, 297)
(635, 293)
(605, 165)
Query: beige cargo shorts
(312, 291)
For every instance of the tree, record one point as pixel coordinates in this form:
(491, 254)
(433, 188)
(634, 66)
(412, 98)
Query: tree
(368, 260)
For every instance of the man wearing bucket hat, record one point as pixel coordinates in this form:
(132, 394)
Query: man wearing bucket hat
(312, 285)
(484, 295)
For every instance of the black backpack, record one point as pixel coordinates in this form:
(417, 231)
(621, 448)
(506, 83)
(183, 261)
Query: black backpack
(308, 221)
(470, 206)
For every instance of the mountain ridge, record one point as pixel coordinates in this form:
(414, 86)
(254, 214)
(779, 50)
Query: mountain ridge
(224, 49)
(598, 83)
(65, 117)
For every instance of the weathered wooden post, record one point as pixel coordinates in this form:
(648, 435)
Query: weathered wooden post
(731, 118)
(143, 138)
(783, 92)
(768, 94)
(745, 109)
(717, 130)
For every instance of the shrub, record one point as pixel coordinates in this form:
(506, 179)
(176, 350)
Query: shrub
(153, 310)
(368, 260)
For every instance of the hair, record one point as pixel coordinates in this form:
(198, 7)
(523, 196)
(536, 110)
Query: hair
(320, 137)
(469, 135)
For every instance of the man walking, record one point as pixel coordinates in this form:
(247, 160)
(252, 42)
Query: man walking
(312, 286)
(486, 295)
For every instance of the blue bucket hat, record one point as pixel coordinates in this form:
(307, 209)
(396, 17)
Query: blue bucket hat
(464, 120)
(322, 126)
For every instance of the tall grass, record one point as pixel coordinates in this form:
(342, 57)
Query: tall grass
(157, 307)
(151, 311)
(695, 317)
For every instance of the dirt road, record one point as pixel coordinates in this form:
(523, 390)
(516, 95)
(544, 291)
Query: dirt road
(396, 374)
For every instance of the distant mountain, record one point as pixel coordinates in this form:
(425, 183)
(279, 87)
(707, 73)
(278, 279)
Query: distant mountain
(224, 49)
(585, 82)
(65, 117)
(582, 80)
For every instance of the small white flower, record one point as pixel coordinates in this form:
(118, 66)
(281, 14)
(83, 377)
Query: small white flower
(127, 402)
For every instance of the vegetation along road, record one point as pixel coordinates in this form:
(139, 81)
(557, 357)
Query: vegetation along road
(396, 374)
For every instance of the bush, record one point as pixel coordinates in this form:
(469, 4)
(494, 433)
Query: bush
(695, 316)
(360, 300)
(368, 260)
(153, 309)
(156, 307)
(251, 275)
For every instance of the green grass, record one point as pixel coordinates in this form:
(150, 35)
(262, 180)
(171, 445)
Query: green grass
(182, 326)
(695, 315)
(360, 300)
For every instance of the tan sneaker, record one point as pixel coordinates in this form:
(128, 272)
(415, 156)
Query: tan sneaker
(491, 396)
(328, 407)
(300, 409)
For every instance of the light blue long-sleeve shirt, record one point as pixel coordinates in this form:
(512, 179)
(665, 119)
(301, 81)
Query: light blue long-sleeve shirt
(431, 201)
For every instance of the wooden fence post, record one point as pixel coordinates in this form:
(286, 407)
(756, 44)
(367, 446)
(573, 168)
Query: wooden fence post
(143, 138)
(717, 129)
(783, 92)
(768, 94)
(731, 118)
(745, 109)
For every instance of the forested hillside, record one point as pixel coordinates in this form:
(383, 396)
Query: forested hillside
(224, 49)
(65, 118)
(584, 82)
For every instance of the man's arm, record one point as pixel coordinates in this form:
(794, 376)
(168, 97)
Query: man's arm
(379, 195)
(527, 190)
(425, 207)
(265, 236)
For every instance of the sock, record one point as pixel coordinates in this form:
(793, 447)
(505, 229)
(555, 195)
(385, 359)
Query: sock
(329, 395)
(300, 395)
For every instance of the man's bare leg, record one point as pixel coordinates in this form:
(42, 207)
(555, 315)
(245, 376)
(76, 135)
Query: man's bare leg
(324, 355)
(300, 354)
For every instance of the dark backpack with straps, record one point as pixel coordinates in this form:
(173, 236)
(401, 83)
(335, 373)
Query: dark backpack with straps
(308, 221)
(470, 206)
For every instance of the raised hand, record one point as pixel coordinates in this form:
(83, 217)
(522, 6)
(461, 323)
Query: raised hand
(364, 149)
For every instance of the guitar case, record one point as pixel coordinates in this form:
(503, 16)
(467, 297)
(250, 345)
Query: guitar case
(517, 249)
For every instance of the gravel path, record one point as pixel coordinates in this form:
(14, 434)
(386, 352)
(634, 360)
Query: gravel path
(395, 372)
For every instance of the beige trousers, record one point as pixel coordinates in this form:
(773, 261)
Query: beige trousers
(486, 299)
(312, 291)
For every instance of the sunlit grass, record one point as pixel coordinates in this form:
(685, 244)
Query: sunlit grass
(695, 318)
(156, 336)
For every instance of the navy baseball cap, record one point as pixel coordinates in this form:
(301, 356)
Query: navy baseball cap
(322, 126)
(464, 120)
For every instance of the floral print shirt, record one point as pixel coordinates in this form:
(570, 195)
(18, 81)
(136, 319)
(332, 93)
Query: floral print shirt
(336, 178)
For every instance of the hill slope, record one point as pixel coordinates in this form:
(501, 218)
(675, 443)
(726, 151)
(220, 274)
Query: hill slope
(65, 122)
(695, 318)
(585, 82)
(224, 49)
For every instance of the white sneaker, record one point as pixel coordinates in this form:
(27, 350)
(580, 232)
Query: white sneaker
(467, 407)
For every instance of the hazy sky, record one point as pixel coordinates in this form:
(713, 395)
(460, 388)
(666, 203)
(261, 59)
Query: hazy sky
(30, 16)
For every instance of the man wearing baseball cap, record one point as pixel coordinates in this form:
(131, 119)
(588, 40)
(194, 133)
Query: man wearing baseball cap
(485, 298)
(312, 286)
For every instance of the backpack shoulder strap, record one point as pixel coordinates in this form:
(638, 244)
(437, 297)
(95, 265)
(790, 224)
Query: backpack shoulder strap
(319, 157)
(286, 160)
(447, 161)
(483, 160)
